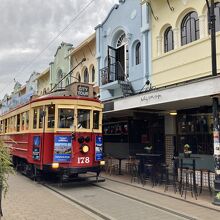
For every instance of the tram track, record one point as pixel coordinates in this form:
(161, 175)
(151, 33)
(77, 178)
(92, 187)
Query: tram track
(129, 197)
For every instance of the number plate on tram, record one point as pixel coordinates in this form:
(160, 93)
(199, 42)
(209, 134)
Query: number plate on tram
(83, 160)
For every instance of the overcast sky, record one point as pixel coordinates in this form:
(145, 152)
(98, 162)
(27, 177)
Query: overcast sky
(28, 26)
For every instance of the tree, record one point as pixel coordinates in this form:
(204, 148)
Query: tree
(6, 168)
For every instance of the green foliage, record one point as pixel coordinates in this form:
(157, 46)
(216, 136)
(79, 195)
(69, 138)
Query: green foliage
(6, 167)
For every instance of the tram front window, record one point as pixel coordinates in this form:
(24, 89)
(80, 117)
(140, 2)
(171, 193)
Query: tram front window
(66, 118)
(83, 119)
(95, 119)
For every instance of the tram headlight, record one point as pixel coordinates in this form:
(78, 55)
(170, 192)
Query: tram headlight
(55, 165)
(102, 163)
(85, 149)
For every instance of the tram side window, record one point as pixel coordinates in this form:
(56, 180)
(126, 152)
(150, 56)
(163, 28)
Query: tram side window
(83, 119)
(96, 119)
(51, 116)
(18, 123)
(22, 121)
(27, 120)
(6, 126)
(15, 123)
(66, 118)
(1, 127)
(41, 117)
(35, 119)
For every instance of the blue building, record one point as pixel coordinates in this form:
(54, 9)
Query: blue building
(123, 51)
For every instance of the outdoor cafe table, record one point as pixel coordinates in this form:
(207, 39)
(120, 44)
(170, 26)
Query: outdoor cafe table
(188, 161)
(144, 157)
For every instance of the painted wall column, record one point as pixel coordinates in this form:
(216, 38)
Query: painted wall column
(176, 37)
(145, 46)
(202, 26)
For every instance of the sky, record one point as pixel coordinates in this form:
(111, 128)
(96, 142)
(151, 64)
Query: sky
(29, 30)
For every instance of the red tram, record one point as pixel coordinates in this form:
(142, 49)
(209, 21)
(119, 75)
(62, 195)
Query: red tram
(60, 132)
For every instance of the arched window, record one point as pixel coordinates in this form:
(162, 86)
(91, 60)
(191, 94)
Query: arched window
(121, 40)
(79, 78)
(86, 76)
(138, 53)
(190, 28)
(67, 81)
(93, 74)
(168, 40)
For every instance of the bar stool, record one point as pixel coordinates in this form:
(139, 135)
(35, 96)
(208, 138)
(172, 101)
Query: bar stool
(148, 174)
(201, 180)
(134, 173)
(171, 179)
(163, 168)
(188, 185)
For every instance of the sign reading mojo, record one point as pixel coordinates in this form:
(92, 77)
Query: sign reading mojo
(98, 148)
(36, 148)
(83, 90)
(62, 148)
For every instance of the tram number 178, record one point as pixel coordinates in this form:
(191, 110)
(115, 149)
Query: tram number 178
(82, 160)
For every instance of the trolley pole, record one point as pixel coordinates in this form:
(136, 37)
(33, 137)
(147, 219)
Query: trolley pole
(215, 112)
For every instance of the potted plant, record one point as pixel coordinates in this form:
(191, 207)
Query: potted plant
(148, 148)
(6, 168)
(187, 151)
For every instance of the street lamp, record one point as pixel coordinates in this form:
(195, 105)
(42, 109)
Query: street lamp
(211, 17)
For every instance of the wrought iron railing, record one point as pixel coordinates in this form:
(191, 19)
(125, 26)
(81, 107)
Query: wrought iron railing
(112, 73)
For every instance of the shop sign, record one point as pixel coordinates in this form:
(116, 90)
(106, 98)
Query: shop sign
(98, 148)
(62, 148)
(150, 98)
(83, 90)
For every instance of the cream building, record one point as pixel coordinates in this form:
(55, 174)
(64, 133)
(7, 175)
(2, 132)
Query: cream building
(43, 82)
(87, 71)
(181, 48)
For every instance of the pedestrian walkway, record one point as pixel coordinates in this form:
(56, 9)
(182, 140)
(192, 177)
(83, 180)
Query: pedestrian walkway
(28, 200)
(203, 200)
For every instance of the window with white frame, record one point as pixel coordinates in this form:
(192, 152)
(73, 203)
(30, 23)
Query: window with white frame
(138, 53)
(168, 40)
(86, 75)
(190, 28)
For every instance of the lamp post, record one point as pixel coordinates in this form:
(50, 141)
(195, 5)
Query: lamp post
(211, 16)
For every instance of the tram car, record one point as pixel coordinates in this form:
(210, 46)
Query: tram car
(60, 132)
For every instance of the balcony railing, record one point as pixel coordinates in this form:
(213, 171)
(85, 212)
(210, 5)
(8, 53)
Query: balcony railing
(113, 72)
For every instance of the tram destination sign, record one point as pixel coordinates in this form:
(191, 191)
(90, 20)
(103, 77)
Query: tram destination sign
(83, 90)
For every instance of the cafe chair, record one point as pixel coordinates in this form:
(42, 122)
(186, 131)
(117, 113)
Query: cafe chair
(188, 184)
(134, 173)
(111, 166)
(129, 164)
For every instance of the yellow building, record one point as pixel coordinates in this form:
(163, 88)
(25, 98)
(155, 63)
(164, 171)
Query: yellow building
(87, 71)
(181, 48)
(43, 82)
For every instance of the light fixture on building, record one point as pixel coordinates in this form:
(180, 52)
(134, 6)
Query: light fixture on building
(184, 1)
(171, 8)
(151, 9)
(173, 113)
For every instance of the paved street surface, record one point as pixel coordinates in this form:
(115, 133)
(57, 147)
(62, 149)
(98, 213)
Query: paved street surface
(28, 200)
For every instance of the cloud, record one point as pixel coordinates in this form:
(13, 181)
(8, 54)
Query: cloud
(28, 26)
